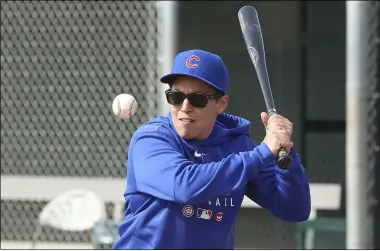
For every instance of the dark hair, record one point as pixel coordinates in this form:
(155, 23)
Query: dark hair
(218, 93)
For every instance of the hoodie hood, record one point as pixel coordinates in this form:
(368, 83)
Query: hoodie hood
(226, 126)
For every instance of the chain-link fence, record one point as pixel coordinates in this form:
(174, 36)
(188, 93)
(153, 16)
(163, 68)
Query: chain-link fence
(62, 63)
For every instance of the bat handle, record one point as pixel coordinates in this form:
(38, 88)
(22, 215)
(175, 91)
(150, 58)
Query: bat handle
(284, 160)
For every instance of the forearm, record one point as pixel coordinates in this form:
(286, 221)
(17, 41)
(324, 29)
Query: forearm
(293, 192)
(285, 193)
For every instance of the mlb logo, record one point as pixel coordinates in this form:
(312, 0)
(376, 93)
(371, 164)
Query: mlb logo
(204, 214)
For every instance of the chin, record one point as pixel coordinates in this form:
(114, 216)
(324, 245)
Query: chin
(183, 133)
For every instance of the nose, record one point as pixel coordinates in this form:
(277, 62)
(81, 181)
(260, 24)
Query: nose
(186, 106)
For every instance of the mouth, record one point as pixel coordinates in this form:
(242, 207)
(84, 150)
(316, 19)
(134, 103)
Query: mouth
(186, 120)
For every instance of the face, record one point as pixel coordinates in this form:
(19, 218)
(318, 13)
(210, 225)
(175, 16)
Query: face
(192, 122)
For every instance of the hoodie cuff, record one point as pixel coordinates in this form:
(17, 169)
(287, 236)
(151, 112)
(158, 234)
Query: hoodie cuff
(296, 162)
(265, 154)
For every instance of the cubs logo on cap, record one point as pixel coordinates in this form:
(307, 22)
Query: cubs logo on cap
(190, 61)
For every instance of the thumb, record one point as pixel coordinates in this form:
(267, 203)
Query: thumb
(264, 118)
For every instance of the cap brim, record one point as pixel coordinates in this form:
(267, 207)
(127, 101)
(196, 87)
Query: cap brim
(169, 78)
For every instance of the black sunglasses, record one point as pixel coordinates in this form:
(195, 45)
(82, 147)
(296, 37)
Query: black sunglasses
(198, 100)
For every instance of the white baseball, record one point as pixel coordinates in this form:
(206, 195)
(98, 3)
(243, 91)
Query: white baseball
(124, 106)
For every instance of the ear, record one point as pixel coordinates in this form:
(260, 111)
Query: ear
(222, 104)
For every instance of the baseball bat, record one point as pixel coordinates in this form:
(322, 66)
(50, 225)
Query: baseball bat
(250, 27)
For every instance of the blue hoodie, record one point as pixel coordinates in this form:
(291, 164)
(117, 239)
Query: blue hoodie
(186, 194)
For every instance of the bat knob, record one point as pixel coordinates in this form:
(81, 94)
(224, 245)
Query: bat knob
(284, 160)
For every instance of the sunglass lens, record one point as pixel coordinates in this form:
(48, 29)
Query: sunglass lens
(198, 100)
(175, 98)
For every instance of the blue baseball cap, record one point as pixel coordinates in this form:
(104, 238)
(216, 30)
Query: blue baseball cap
(202, 65)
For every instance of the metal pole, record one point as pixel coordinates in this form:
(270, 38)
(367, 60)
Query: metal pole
(167, 44)
(356, 117)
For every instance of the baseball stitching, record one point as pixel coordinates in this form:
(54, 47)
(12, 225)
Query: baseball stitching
(130, 108)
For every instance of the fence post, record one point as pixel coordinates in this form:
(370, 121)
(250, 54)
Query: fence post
(167, 46)
(356, 124)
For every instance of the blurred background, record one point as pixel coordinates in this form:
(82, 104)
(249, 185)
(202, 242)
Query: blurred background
(63, 62)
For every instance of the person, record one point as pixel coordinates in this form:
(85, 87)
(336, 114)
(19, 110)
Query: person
(188, 172)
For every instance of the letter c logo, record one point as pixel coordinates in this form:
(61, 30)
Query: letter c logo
(191, 58)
